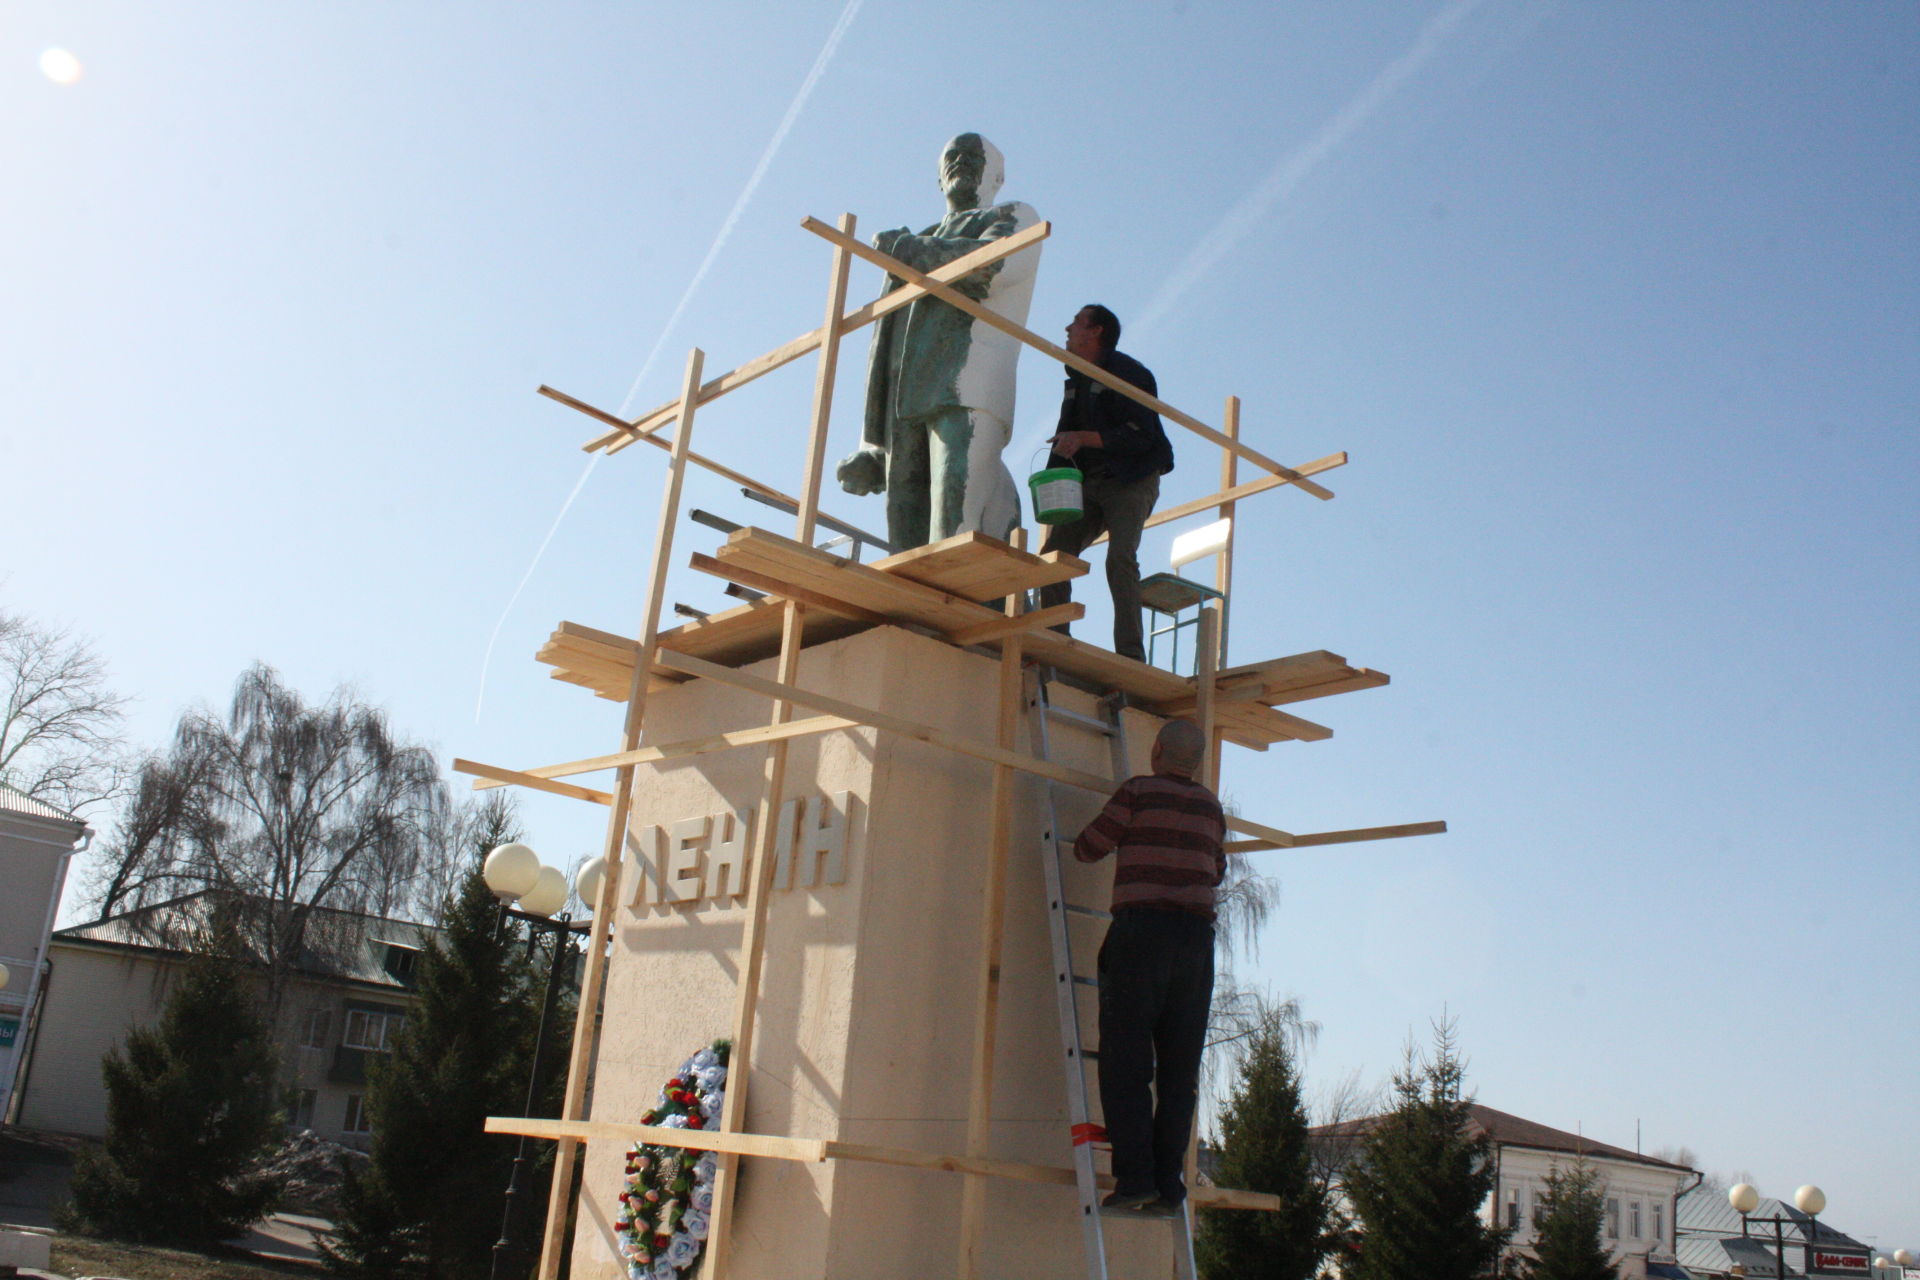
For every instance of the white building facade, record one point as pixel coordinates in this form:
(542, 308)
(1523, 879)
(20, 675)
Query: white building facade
(37, 842)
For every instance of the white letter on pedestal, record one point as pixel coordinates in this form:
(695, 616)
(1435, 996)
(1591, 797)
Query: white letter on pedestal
(823, 834)
(644, 865)
(727, 859)
(683, 859)
(783, 846)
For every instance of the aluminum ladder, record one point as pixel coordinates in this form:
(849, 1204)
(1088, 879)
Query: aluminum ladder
(1068, 982)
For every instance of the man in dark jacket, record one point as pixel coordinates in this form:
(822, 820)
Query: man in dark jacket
(1121, 447)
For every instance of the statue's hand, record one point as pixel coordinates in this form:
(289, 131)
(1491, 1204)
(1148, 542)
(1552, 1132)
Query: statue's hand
(886, 240)
(863, 472)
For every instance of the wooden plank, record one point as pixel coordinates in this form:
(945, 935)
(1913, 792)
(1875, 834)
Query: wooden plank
(699, 460)
(824, 374)
(1273, 835)
(775, 586)
(1223, 562)
(756, 736)
(787, 353)
(733, 1113)
(600, 935)
(771, 1146)
(892, 724)
(505, 777)
(993, 918)
(1228, 496)
(980, 568)
(1014, 624)
(986, 315)
(814, 1150)
(1371, 833)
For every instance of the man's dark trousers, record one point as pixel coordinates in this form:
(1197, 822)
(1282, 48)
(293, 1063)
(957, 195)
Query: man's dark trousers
(1156, 985)
(1118, 509)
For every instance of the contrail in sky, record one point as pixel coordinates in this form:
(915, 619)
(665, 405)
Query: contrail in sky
(1294, 169)
(746, 193)
(719, 241)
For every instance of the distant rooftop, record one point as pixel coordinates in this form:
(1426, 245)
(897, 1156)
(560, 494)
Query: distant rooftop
(346, 945)
(14, 800)
(1508, 1130)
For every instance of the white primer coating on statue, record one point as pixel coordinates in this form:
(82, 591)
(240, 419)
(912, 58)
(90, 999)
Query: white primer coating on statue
(940, 384)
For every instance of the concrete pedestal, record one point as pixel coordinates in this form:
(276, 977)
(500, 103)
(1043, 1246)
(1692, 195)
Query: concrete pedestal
(866, 1014)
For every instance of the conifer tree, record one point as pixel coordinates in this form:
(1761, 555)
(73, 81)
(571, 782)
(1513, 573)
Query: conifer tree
(1264, 1147)
(428, 1203)
(1421, 1178)
(190, 1111)
(1566, 1244)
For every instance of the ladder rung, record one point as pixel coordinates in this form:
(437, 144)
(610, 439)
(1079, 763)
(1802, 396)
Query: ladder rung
(1095, 912)
(1084, 721)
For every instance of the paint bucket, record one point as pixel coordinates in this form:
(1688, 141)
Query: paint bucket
(1056, 494)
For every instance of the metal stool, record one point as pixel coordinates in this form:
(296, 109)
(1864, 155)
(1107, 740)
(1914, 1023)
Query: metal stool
(1169, 596)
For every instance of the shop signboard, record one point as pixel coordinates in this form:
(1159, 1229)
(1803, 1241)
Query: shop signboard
(1838, 1262)
(9, 1030)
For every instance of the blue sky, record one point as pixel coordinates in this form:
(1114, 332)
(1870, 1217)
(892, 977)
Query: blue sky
(1614, 307)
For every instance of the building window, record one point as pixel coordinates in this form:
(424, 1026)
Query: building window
(1633, 1219)
(368, 1029)
(301, 1116)
(314, 1028)
(1613, 1218)
(1513, 1208)
(356, 1121)
(1534, 1211)
(1659, 1223)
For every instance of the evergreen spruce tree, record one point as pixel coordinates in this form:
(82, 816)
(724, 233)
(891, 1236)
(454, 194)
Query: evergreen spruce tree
(190, 1110)
(1566, 1243)
(1421, 1178)
(1263, 1147)
(428, 1203)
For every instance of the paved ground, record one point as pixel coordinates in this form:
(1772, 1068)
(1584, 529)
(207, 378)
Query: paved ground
(35, 1169)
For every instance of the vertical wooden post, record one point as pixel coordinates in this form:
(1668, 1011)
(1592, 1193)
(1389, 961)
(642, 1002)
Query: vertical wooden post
(1223, 563)
(753, 938)
(553, 1242)
(1209, 642)
(993, 917)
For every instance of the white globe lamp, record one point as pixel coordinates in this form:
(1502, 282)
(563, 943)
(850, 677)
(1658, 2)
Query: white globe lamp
(1810, 1200)
(511, 871)
(587, 881)
(1744, 1198)
(1903, 1257)
(5, 974)
(548, 895)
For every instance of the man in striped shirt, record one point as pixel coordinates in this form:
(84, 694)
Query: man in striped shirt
(1156, 965)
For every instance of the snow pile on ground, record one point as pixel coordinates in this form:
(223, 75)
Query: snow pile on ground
(311, 1168)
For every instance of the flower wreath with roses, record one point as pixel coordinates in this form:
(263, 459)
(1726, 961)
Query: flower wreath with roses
(662, 1221)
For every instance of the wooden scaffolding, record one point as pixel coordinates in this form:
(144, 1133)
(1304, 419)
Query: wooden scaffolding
(812, 596)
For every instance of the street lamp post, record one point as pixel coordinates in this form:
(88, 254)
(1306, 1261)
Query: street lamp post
(1809, 1199)
(514, 873)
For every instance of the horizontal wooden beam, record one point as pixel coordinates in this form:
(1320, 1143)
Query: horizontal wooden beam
(626, 432)
(815, 1150)
(1354, 836)
(514, 777)
(699, 460)
(806, 1150)
(1051, 616)
(780, 587)
(881, 720)
(987, 315)
(755, 736)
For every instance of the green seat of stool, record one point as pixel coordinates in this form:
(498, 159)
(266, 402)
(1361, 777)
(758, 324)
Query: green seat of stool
(1171, 593)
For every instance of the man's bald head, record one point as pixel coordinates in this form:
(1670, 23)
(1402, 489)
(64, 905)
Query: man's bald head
(1179, 748)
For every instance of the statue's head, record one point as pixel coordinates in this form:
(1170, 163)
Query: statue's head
(971, 171)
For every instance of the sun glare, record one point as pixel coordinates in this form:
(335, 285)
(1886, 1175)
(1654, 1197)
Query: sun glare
(60, 66)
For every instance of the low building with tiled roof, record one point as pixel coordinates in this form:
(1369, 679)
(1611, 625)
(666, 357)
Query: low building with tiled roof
(351, 987)
(1640, 1193)
(37, 842)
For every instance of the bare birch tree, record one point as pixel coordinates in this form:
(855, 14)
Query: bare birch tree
(59, 722)
(291, 810)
